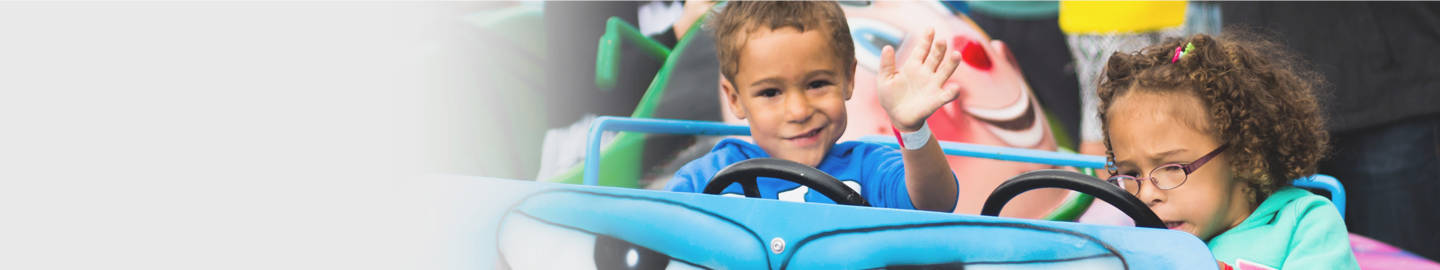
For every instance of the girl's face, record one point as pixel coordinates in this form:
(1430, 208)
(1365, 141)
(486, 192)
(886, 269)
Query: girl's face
(1148, 130)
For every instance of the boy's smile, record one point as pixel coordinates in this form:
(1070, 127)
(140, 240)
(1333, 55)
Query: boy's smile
(791, 88)
(808, 138)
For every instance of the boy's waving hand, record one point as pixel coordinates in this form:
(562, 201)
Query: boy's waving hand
(912, 92)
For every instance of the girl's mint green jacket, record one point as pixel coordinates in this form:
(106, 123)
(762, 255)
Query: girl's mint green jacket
(1293, 229)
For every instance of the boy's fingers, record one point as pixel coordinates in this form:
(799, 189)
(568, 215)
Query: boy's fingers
(937, 54)
(922, 46)
(947, 68)
(952, 91)
(887, 62)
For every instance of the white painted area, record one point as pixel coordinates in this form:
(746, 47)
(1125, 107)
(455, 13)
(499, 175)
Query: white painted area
(1027, 137)
(632, 257)
(529, 244)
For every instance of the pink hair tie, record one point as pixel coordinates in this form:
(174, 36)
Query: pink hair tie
(1176, 58)
(1181, 51)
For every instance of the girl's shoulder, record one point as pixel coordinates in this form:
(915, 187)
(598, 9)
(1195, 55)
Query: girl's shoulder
(1300, 205)
(1293, 228)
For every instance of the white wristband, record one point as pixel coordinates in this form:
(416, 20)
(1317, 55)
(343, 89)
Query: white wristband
(914, 140)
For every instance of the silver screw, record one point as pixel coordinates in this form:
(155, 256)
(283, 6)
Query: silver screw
(777, 245)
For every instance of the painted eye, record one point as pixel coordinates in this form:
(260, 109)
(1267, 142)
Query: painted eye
(616, 254)
(871, 36)
(528, 243)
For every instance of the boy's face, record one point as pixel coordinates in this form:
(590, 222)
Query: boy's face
(1149, 130)
(792, 89)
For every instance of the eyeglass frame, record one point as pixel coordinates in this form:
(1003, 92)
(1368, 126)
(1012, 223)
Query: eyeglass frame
(1187, 168)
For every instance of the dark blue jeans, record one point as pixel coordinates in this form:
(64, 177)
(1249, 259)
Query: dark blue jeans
(1391, 175)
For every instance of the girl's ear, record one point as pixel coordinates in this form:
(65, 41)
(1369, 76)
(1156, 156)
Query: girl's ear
(850, 79)
(732, 98)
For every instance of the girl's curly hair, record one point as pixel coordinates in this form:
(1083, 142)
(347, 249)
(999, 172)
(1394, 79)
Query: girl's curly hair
(1257, 97)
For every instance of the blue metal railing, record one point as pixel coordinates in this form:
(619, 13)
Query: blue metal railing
(1004, 153)
(1326, 183)
(647, 125)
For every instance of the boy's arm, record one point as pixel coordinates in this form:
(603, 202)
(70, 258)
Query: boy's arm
(910, 94)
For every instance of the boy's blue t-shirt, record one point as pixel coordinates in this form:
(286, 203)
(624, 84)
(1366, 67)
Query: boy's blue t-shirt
(875, 171)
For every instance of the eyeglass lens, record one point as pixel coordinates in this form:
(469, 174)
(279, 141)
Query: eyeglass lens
(1166, 177)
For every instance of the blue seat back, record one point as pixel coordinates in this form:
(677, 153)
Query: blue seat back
(1328, 184)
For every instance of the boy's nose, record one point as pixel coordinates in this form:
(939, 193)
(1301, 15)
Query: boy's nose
(971, 51)
(798, 109)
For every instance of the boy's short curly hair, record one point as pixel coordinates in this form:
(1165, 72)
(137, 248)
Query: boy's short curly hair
(1258, 98)
(738, 19)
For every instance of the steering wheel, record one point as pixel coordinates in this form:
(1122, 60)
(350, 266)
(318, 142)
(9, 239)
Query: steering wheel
(745, 172)
(1052, 178)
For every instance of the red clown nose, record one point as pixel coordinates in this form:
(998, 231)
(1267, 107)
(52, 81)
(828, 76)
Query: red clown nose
(973, 53)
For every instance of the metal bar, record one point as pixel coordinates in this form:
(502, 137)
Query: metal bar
(1004, 153)
(647, 125)
(1327, 183)
(607, 60)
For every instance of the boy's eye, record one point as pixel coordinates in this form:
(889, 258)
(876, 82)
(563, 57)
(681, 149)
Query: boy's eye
(819, 84)
(768, 93)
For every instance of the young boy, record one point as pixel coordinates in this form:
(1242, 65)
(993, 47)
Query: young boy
(788, 68)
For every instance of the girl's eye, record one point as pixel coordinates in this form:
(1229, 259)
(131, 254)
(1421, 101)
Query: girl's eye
(819, 84)
(768, 93)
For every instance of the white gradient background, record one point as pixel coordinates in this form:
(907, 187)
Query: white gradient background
(221, 135)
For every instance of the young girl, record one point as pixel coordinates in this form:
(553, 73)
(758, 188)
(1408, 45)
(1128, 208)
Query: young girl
(1209, 131)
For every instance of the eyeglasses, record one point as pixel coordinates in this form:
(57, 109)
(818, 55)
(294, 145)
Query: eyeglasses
(1165, 177)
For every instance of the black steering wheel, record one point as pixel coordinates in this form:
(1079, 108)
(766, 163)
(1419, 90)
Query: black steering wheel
(1102, 190)
(745, 172)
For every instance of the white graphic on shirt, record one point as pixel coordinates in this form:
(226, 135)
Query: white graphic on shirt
(794, 195)
(1242, 264)
(798, 193)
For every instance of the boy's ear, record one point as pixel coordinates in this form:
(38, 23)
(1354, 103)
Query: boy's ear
(732, 98)
(850, 79)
